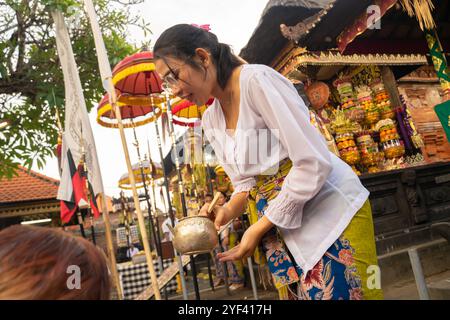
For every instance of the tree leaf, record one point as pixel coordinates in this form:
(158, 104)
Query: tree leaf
(31, 105)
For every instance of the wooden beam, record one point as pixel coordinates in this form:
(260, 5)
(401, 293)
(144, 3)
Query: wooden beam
(391, 85)
(29, 209)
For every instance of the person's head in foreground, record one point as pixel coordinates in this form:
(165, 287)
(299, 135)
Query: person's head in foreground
(193, 63)
(38, 263)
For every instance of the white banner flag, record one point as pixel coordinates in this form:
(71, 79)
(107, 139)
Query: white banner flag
(103, 62)
(77, 131)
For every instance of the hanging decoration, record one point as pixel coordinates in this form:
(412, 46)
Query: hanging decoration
(422, 10)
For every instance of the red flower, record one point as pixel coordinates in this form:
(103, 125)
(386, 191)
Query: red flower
(292, 274)
(346, 257)
(314, 277)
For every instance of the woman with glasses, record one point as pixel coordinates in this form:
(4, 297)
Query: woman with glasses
(311, 221)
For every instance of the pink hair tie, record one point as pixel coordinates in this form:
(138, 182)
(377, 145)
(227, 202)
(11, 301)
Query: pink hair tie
(202, 26)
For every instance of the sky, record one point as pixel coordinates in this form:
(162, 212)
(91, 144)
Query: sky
(233, 21)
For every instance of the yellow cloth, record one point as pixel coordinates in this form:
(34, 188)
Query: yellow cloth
(360, 233)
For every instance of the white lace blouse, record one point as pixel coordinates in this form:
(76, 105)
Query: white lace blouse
(321, 193)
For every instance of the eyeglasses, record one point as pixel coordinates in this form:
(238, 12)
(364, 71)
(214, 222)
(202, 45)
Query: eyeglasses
(172, 78)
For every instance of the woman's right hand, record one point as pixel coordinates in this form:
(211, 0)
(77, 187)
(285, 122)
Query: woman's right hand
(204, 211)
(219, 215)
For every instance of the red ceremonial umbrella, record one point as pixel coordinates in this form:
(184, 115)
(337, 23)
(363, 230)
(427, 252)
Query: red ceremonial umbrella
(137, 81)
(188, 114)
(132, 115)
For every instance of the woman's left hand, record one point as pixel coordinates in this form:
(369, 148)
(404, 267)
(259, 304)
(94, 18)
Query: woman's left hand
(245, 248)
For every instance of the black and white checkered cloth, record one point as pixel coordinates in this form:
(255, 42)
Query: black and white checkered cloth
(135, 278)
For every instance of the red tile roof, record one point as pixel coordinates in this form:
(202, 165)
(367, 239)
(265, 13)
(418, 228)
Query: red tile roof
(28, 186)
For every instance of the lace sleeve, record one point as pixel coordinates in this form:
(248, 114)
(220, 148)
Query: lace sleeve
(285, 212)
(243, 186)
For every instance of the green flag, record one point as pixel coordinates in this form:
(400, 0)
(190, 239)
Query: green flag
(443, 112)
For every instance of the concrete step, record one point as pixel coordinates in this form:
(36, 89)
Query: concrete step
(439, 290)
(396, 266)
(437, 286)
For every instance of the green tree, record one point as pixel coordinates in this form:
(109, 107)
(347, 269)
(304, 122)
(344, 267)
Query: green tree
(31, 80)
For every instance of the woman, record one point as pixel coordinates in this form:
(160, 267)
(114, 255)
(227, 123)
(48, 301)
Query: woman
(308, 209)
(40, 263)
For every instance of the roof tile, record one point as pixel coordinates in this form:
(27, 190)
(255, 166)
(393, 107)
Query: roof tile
(28, 186)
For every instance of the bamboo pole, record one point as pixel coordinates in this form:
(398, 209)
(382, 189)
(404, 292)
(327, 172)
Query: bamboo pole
(169, 204)
(192, 155)
(207, 168)
(141, 220)
(180, 183)
(152, 182)
(147, 196)
(155, 211)
(149, 209)
(109, 246)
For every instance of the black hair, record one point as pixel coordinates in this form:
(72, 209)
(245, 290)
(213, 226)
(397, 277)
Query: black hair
(181, 40)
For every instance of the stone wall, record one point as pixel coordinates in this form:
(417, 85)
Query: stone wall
(422, 91)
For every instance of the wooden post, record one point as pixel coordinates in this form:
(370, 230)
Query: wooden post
(137, 205)
(110, 247)
(181, 186)
(391, 86)
(149, 209)
(169, 204)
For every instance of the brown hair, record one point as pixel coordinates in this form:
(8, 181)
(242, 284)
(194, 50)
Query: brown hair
(35, 261)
